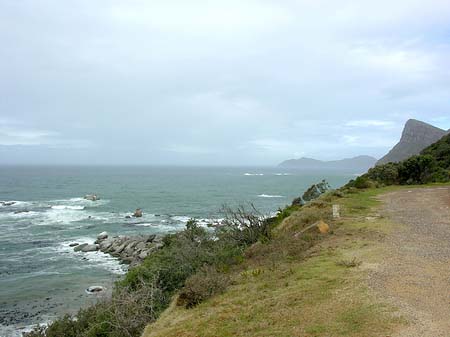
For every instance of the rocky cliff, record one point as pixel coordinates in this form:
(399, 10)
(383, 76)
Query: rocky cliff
(416, 136)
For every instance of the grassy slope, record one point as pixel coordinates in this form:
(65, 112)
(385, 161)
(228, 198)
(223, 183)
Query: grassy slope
(319, 294)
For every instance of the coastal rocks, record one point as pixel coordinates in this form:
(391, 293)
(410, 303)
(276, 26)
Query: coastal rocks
(7, 203)
(91, 197)
(90, 248)
(128, 249)
(74, 244)
(138, 213)
(78, 248)
(315, 191)
(85, 248)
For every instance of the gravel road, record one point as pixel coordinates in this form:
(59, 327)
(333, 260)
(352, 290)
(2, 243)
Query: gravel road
(415, 273)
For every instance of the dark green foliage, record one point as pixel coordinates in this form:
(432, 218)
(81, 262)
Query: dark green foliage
(386, 174)
(362, 182)
(417, 170)
(440, 152)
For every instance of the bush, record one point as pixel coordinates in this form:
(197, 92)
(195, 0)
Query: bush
(386, 174)
(206, 283)
(363, 182)
(244, 226)
(417, 170)
(124, 315)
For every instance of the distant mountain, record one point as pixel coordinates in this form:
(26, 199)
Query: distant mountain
(355, 165)
(416, 136)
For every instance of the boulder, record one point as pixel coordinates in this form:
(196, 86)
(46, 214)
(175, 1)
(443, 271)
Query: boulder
(91, 197)
(102, 236)
(323, 227)
(7, 203)
(95, 289)
(106, 244)
(137, 213)
(78, 248)
(129, 250)
(89, 248)
(74, 244)
(140, 246)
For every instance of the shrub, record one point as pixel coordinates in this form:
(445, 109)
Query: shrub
(206, 283)
(363, 182)
(386, 174)
(244, 225)
(124, 315)
(417, 170)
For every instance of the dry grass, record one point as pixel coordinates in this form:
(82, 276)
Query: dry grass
(290, 287)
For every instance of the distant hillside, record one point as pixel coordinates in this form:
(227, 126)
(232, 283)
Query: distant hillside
(355, 165)
(416, 136)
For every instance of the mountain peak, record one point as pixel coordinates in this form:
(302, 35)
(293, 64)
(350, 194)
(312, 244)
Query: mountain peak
(416, 136)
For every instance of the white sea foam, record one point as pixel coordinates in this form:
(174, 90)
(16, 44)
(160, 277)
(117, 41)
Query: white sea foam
(60, 207)
(270, 196)
(253, 174)
(283, 174)
(181, 218)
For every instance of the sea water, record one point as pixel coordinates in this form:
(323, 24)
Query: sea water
(41, 276)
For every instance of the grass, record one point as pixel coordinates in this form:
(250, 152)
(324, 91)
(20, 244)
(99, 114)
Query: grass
(283, 289)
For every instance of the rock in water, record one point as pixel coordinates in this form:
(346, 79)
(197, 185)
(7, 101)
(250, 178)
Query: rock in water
(74, 244)
(138, 213)
(89, 248)
(94, 289)
(91, 197)
(80, 247)
(102, 236)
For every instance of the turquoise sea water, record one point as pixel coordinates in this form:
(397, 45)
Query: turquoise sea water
(41, 276)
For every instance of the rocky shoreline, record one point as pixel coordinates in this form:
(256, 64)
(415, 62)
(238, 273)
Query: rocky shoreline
(131, 250)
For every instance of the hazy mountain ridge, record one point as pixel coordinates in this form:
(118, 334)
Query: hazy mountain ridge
(416, 136)
(355, 164)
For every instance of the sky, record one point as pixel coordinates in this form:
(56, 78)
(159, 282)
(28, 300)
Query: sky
(235, 82)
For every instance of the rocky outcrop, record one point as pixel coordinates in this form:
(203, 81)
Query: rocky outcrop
(128, 249)
(315, 191)
(91, 197)
(416, 136)
(137, 213)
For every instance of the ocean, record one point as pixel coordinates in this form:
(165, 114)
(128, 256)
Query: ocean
(41, 277)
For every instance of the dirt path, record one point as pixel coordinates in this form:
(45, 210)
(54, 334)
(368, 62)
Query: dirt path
(415, 274)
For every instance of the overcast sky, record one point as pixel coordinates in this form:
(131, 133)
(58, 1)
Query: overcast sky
(232, 82)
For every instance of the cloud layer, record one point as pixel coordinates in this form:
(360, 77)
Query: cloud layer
(217, 82)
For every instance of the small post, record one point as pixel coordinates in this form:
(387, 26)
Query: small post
(336, 209)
